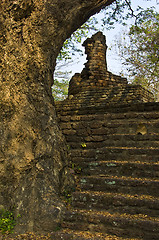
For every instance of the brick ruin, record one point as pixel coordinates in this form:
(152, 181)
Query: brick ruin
(112, 132)
(95, 76)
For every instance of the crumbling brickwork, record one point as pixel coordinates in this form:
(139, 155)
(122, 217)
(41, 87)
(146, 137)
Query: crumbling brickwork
(95, 73)
(95, 76)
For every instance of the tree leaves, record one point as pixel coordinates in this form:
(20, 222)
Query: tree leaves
(139, 50)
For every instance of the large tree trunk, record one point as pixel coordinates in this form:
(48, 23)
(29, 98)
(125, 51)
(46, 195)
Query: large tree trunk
(33, 152)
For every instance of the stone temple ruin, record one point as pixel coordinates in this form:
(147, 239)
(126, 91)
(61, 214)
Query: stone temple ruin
(112, 130)
(95, 76)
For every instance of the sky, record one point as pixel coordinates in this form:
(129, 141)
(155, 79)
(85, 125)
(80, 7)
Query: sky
(113, 60)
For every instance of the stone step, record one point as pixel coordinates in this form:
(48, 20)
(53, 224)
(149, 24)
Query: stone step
(93, 104)
(125, 137)
(122, 225)
(136, 130)
(73, 107)
(99, 142)
(113, 202)
(126, 153)
(126, 185)
(108, 119)
(68, 234)
(93, 109)
(120, 168)
(83, 163)
(132, 128)
(79, 160)
(115, 153)
(137, 141)
(130, 118)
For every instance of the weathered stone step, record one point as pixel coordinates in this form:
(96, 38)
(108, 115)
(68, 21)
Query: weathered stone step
(131, 128)
(107, 118)
(126, 153)
(117, 140)
(103, 108)
(132, 140)
(115, 153)
(99, 141)
(121, 203)
(133, 137)
(125, 185)
(128, 137)
(68, 234)
(121, 168)
(80, 108)
(91, 157)
(122, 225)
(130, 118)
(93, 104)
(107, 127)
(134, 115)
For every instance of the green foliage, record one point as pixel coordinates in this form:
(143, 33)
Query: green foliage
(7, 221)
(118, 12)
(60, 89)
(139, 51)
(70, 46)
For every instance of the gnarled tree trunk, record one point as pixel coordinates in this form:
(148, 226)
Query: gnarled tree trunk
(33, 152)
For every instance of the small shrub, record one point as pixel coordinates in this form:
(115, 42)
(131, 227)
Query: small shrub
(7, 221)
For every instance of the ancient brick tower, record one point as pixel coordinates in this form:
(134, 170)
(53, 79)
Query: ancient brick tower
(96, 76)
(112, 130)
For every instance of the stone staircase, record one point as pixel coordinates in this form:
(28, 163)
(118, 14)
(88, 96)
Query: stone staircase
(116, 148)
(112, 130)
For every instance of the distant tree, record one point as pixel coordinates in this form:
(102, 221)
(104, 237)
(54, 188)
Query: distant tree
(70, 46)
(60, 87)
(139, 51)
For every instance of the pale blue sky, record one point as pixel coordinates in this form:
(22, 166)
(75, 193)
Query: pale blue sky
(113, 61)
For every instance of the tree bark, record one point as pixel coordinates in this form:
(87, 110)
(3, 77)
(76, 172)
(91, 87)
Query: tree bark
(33, 152)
